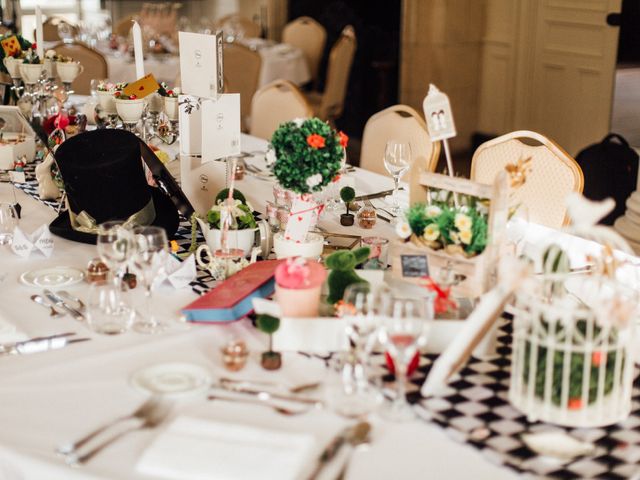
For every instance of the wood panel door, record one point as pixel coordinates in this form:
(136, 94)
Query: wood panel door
(567, 70)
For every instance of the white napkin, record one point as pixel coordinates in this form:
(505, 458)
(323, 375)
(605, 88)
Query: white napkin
(179, 274)
(40, 240)
(197, 449)
(9, 333)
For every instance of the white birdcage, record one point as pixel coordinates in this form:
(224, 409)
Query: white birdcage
(572, 360)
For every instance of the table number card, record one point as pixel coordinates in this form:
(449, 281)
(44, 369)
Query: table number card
(201, 63)
(300, 220)
(40, 240)
(221, 127)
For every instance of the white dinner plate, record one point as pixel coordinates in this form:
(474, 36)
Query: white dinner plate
(52, 277)
(172, 379)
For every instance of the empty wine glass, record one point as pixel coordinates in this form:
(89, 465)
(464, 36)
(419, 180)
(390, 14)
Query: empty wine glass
(149, 257)
(8, 223)
(107, 312)
(397, 160)
(403, 331)
(517, 227)
(115, 247)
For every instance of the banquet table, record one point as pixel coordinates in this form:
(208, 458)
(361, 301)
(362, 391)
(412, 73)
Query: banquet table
(279, 61)
(58, 396)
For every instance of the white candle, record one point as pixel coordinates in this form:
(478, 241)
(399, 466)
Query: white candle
(137, 50)
(39, 44)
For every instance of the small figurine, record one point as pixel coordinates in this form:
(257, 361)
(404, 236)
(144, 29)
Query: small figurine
(266, 323)
(342, 265)
(347, 194)
(20, 163)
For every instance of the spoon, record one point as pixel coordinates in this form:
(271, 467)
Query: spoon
(41, 301)
(281, 410)
(70, 297)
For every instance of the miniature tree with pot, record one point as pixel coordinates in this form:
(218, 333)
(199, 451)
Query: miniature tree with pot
(347, 194)
(268, 324)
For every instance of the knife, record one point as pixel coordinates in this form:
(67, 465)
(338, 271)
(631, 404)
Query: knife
(40, 344)
(357, 431)
(371, 196)
(59, 302)
(266, 396)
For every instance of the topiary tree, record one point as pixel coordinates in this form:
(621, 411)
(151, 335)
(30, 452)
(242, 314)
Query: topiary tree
(342, 265)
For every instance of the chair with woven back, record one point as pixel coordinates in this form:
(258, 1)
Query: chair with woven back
(329, 104)
(276, 103)
(94, 63)
(242, 74)
(401, 123)
(235, 21)
(310, 37)
(541, 173)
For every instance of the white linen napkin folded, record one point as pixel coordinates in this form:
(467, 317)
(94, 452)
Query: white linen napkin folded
(9, 333)
(197, 449)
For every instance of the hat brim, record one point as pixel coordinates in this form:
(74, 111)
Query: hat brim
(166, 217)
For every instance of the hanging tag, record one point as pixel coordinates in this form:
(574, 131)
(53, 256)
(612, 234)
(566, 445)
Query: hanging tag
(437, 112)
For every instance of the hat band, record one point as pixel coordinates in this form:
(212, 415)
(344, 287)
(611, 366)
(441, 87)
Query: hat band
(84, 222)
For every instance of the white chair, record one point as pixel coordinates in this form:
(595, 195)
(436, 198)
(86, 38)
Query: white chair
(404, 124)
(550, 173)
(310, 37)
(94, 63)
(242, 74)
(276, 103)
(329, 104)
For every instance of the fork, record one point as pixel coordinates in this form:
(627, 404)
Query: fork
(281, 410)
(141, 412)
(153, 417)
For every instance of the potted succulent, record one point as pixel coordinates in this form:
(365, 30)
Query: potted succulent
(106, 100)
(347, 194)
(266, 323)
(31, 67)
(241, 235)
(170, 100)
(129, 107)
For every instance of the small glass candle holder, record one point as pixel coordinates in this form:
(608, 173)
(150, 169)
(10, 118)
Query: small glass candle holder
(235, 355)
(272, 217)
(366, 217)
(379, 247)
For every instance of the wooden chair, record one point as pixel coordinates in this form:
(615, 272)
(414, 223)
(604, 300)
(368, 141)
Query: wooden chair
(123, 26)
(404, 124)
(276, 103)
(242, 73)
(50, 29)
(310, 37)
(94, 63)
(549, 173)
(234, 20)
(329, 104)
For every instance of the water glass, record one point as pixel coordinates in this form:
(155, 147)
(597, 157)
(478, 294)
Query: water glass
(8, 223)
(107, 312)
(379, 247)
(115, 246)
(397, 161)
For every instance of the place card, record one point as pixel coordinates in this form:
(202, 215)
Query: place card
(201, 64)
(300, 220)
(142, 87)
(178, 274)
(190, 118)
(17, 177)
(40, 240)
(221, 127)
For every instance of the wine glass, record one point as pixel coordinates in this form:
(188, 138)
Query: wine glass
(149, 257)
(517, 227)
(8, 223)
(106, 312)
(403, 331)
(115, 247)
(397, 160)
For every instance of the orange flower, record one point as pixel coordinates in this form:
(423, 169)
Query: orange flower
(344, 139)
(315, 141)
(598, 357)
(575, 403)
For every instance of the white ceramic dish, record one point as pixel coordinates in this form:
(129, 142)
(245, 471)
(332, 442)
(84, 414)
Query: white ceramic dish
(172, 379)
(52, 277)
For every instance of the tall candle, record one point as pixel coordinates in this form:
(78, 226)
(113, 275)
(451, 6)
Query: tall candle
(137, 50)
(39, 36)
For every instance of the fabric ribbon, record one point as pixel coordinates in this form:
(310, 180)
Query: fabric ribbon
(443, 301)
(84, 222)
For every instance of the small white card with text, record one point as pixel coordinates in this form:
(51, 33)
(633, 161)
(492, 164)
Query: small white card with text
(40, 240)
(199, 66)
(221, 127)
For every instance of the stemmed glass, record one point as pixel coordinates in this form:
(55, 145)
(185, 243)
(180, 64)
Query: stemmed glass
(8, 222)
(115, 247)
(151, 247)
(402, 333)
(397, 160)
(517, 227)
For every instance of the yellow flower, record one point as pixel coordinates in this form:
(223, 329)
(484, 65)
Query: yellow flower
(462, 222)
(465, 236)
(454, 237)
(431, 232)
(432, 211)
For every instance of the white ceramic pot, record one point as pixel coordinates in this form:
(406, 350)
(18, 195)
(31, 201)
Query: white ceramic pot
(13, 66)
(107, 102)
(30, 72)
(49, 66)
(130, 111)
(69, 71)
(311, 248)
(171, 108)
(242, 239)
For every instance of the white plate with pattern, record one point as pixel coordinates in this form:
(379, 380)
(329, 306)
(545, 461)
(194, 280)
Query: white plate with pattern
(52, 277)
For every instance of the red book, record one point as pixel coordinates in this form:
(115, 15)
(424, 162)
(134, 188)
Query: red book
(232, 299)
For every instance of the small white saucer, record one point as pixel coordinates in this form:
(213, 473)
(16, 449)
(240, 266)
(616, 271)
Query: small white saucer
(52, 277)
(172, 379)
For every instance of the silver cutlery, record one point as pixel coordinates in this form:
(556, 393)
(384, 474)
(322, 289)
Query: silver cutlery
(360, 436)
(58, 301)
(350, 434)
(371, 196)
(141, 413)
(40, 344)
(257, 401)
(266, 396)
(151, 419)
(40, 300)
(66, 295)
(305, 387)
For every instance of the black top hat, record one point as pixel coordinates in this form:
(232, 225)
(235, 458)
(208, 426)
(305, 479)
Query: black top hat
(105, 180)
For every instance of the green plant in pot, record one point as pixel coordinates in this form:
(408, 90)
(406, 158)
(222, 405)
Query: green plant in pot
(268, 324)
(347, 194)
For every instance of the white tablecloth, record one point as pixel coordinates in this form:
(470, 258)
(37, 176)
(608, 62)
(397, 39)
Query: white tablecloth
(279, 61)
(58, 396)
